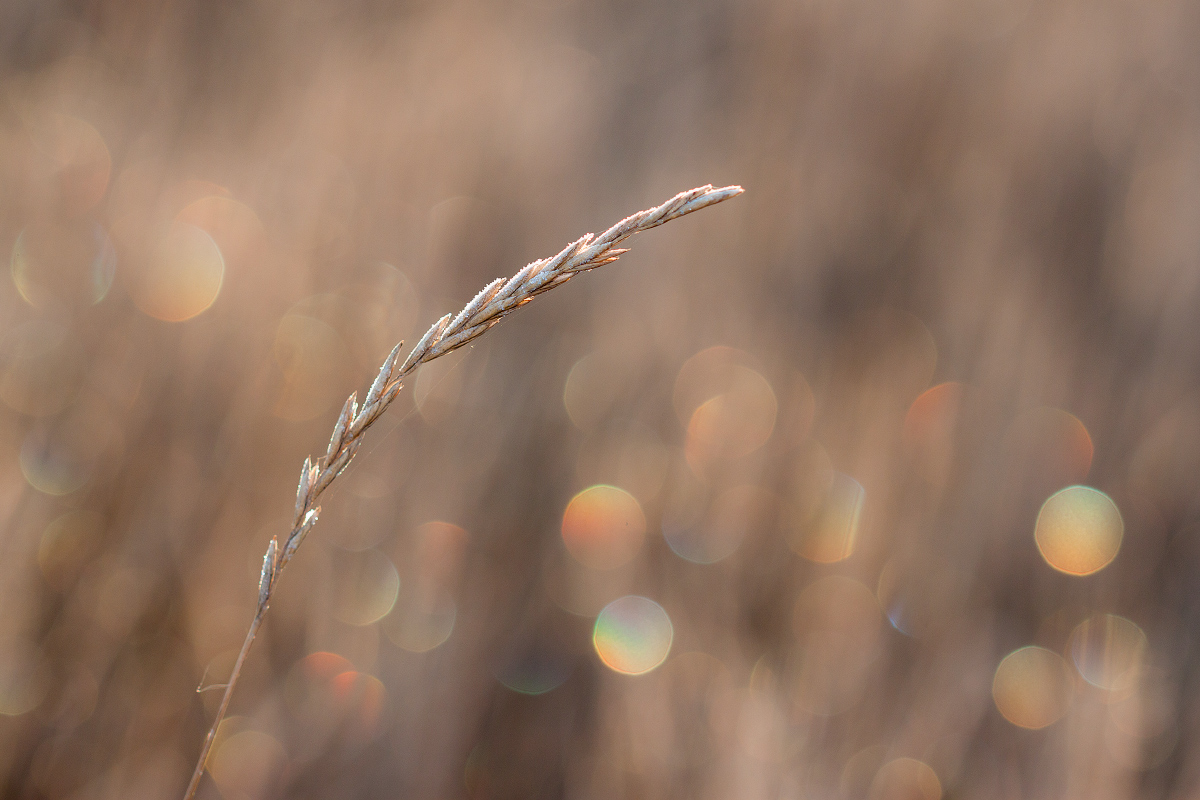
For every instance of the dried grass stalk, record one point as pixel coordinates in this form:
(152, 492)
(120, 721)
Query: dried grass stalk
(491, 305)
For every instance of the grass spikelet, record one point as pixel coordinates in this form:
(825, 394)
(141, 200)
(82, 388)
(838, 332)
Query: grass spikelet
(489, 306)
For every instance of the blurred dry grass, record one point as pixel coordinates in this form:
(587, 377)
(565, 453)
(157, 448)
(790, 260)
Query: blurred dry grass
(964, 276)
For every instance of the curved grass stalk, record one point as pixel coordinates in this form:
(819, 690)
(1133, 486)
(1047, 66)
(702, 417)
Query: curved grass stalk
(498, 299)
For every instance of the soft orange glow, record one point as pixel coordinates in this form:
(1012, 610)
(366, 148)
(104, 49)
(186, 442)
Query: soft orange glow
(235, 228)
(905, 779)
(1031, 687)
(1079, 530)
(1052, 445)
(247, 763)
(324, 665)
(603, 527)
(734, 423)
(181, 275)
(360, 695)
(829, 533)
(705, 375)
(932, 416)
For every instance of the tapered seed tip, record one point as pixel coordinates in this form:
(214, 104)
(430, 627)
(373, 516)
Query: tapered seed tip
(708, 196)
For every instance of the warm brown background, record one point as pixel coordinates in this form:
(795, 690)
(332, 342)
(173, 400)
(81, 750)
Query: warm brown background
(1004, 194)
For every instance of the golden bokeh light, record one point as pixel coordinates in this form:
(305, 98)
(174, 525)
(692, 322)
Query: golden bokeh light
(828, 533)
(810, 476)
(366, 585)
(247, 763)
(327, 694)
(63, 263)
(837, 627)
(322, 665)
(633, 635)
(932, 416)
(1079, 530)
(734, 423)
(1032, 687)
(1108, 651)
(308, 689)
(885, 358)
(905, 779)
(181, 274)
(362, 698)
(929, 429)
(603, 527)
(233, 225)
(704, 376)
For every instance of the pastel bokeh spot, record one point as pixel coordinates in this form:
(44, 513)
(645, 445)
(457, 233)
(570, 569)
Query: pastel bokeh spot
(633, 635)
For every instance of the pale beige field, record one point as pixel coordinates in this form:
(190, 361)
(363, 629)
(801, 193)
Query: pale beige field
(880, 480)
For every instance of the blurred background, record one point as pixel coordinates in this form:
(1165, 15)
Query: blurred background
(879, 481)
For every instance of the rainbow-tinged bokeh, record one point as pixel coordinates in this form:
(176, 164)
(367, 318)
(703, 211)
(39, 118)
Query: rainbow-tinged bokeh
(1079, 530)
(603, 527)
(633, 635)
